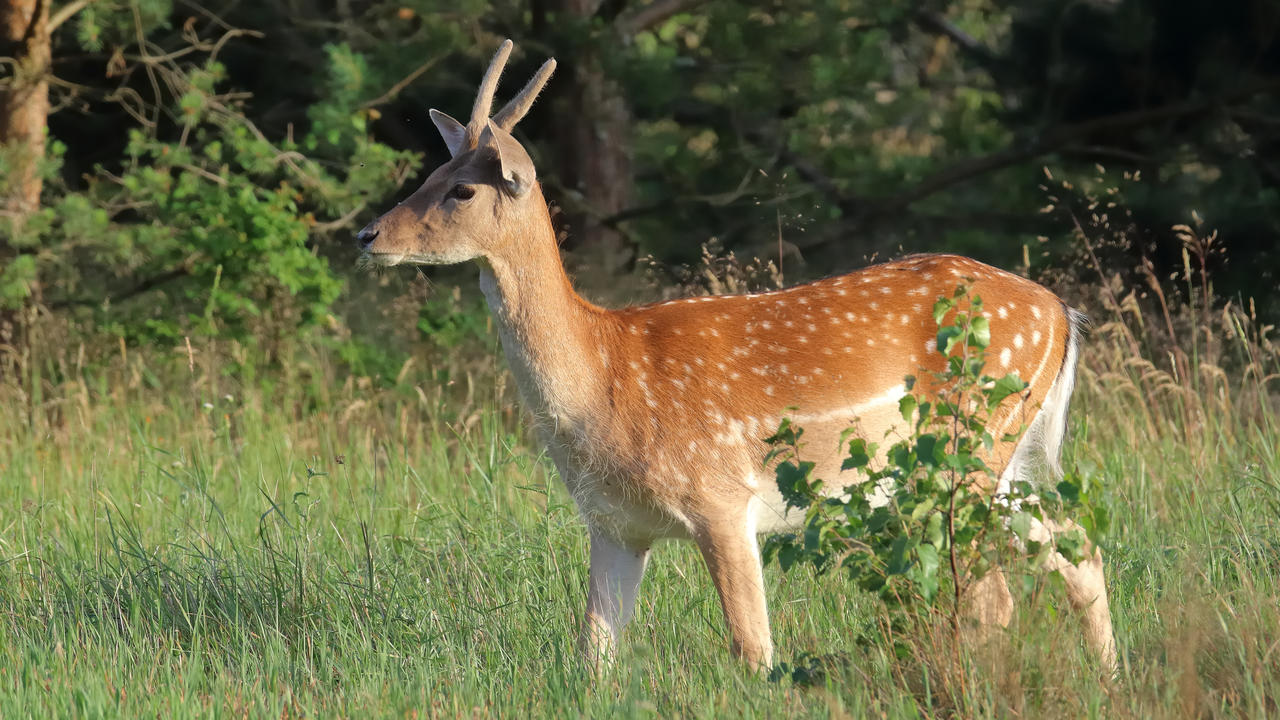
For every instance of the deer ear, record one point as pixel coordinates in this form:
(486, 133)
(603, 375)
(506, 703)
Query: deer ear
(453, 132)
(514, 165)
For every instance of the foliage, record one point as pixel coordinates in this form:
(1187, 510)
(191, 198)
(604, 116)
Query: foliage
(184, 140)
(922, 522)
(201, 207)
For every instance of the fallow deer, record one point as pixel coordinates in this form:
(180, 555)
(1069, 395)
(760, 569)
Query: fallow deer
(654, 415)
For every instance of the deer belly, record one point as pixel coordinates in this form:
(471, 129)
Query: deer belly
(610, 506)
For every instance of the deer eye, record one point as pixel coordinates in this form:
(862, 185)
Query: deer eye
(462, 192)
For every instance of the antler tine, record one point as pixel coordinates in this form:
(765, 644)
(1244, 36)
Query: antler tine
(484, 96)
(515, 110)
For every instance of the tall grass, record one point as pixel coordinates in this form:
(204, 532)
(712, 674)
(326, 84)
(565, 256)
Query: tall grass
(208, 532)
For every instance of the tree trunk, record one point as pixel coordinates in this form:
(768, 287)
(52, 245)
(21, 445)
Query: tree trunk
(24, 109)
(592, 144)
(24, 105)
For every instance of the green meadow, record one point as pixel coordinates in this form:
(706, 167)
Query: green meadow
(206, 534)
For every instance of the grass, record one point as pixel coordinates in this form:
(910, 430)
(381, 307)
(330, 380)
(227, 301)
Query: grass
(179, 541)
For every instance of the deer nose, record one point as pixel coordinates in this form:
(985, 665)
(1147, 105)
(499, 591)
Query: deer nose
(365, 238)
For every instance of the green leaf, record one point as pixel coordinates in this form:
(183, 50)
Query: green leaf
(933, 530)
(899, 562)
(947, 338)
(979, 331)
(859, 455)
(1003, 388)
(1020, 524)
(928, 556)
(941, 307)
(907, 407)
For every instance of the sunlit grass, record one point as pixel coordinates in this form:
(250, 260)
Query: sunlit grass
(203, 536)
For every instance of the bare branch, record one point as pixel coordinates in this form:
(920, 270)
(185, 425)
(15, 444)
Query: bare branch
(146, 285)
(653, 14)
(390, 95)
(934, 22)
(338, 224)
(1056, 138)
(67, 12)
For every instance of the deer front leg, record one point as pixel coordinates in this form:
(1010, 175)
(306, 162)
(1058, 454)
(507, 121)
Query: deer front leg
(614, 578)
(732, 554)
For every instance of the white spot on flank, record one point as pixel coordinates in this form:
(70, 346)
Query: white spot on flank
(1005, 356)
(850, 316)
(768, 390)
(1035, 337)
(1035, 311)
(1003, 312)
(1017, 341)
(930, 345)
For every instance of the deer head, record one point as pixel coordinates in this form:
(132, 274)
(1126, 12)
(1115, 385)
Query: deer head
(476, 204)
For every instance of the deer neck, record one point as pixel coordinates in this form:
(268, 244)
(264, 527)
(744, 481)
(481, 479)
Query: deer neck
(550, 335)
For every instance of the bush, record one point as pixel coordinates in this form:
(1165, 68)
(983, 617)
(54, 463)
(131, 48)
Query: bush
(921, 524)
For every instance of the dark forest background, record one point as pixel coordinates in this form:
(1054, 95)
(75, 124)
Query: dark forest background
(175, 168)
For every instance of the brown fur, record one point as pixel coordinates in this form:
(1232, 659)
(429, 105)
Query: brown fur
(655, 415)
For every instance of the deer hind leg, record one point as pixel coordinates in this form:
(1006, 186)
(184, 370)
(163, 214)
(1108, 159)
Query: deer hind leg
(988, 602)
(732, 553)
(1086, 590)
(614, 578)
